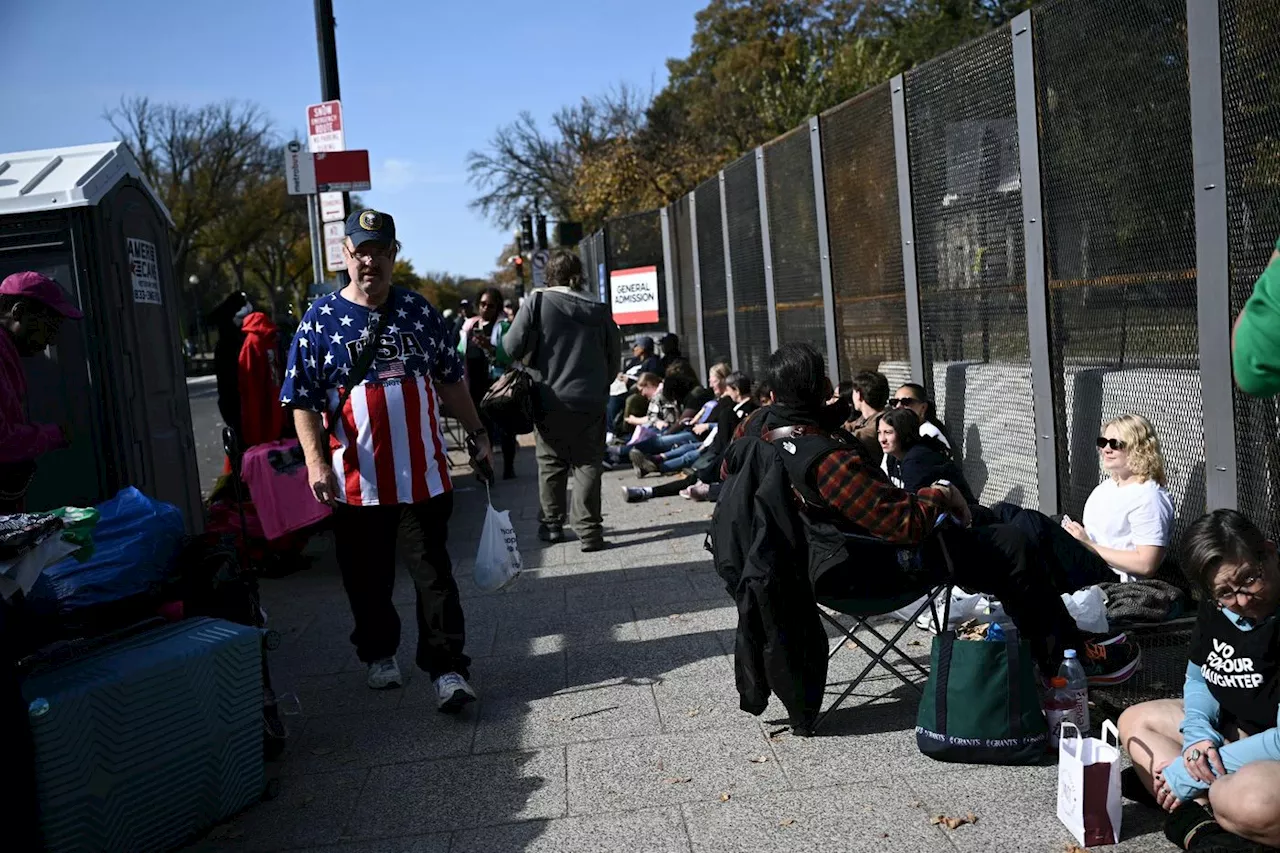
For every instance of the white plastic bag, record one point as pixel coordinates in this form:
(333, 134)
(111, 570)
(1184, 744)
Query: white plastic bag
(1088, 607)
(498, 558)
(963, 607)
(1089, 785)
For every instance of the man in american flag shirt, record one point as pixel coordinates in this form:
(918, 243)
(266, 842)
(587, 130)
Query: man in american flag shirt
(383, 464)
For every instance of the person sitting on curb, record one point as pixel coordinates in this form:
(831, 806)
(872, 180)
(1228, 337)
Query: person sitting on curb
(1212, 758)
(916, 461)
(675, 450)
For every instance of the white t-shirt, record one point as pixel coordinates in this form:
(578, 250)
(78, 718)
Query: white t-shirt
(1124, 518)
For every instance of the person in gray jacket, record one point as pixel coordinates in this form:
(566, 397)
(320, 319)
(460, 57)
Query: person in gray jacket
(571, 345)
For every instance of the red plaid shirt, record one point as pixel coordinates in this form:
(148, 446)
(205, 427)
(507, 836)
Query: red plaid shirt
(860, 493)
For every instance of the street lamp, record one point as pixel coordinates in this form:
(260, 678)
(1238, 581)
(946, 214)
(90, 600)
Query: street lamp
(194, 281)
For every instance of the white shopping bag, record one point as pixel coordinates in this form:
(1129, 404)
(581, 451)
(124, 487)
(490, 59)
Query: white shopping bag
(498, 558)
(1088, 607)
(1089, 785)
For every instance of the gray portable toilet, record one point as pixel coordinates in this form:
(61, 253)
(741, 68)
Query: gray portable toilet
(86, 217)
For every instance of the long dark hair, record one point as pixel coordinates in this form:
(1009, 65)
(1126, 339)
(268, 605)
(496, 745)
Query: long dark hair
(931, 415)
(906, 425)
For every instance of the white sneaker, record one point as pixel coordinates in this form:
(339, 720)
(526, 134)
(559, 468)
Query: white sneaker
(452, 693)
(384, 673)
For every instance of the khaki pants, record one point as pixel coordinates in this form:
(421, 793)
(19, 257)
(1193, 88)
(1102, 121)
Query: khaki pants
(571, 440)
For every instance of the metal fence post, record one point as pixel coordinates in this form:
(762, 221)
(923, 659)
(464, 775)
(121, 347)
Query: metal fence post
(730, 314)
(824, 251)
(915, 337)
(669, 277)
(1213, 296)
(771, 301)
(1024, 83)
(699, 348)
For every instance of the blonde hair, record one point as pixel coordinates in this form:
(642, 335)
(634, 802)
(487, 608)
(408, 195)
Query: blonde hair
(1140, 440)
(721, 371)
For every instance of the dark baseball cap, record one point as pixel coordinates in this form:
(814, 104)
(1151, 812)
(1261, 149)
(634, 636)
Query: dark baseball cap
(366, 225)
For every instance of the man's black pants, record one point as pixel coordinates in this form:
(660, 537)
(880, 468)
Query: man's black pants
(366, 544)
(1001, 560)
(1072, 565)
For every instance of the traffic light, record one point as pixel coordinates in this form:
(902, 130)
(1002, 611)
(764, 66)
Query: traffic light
(518, 262)
(526, 233)
(542, 232)
(568, 233)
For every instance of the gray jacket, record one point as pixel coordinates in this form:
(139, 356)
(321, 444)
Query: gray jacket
(572, 348)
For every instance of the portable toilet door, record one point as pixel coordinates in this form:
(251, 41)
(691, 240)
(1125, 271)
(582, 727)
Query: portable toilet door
(122, 277)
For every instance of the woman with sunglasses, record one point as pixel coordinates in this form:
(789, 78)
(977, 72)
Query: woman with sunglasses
(1219, 746)
(912, 396)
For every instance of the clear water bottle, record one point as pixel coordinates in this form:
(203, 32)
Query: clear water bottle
(1076, 689)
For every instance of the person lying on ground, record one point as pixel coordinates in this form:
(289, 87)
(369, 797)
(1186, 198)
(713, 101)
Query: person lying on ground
(1255, 340)
(1219, 745)
(1127, 520)
(843, 484)
(916, 461)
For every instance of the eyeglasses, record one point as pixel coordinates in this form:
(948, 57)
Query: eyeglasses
(1249, 588)
(895, 402)
(1113, 443)
(372, 252)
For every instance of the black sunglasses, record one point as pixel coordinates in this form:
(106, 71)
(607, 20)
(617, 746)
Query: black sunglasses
(895, 402)
(1113, 443)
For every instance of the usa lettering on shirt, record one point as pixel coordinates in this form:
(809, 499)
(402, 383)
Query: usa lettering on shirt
(1224, 669)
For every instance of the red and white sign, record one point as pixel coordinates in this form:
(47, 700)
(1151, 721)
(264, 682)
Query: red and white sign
(634, 295)
(324, 127)
(331, 207)
(334, 235)
(342, 171)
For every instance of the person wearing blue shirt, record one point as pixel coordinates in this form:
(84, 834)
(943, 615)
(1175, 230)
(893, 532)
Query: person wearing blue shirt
(1212, 758)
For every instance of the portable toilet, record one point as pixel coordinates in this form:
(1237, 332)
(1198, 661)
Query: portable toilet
(86, 217)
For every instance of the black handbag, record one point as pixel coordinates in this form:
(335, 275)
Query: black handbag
(511, 401)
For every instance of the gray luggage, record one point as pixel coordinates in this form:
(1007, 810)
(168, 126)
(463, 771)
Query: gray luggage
(149, 741)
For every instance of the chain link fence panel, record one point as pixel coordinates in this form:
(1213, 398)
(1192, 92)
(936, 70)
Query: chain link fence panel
(859, 169)
(1251, 118)
(635, 242)
(746, 257)
(715, 298)
(793, 238)
(966, 197)
(1120, 235)
(682, 247)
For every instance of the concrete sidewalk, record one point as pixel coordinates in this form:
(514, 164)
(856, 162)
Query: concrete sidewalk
(608, 721)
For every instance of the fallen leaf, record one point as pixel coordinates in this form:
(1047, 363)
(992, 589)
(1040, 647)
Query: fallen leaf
(725, 797)
(676, 617)
(677, 780)
(693, 713)
(307, 799)
(915, 643)
(788, 822)
(915, 804)
(954, 822)
(884, 835)
(759, 759)
(1074, 848)
(322, 750)
(850, 645)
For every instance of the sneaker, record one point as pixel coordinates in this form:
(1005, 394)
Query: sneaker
(634, 495)
(1112, 662)
(643, 464)
(699, 491)
(594, 545)
(453, 693)
(384, 674)
(550, 533)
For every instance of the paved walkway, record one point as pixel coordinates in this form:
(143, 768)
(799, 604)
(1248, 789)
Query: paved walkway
(608, 721)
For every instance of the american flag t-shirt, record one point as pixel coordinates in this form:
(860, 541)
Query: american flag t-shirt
(389, 444)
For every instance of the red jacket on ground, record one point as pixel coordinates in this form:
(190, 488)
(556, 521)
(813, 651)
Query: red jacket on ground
(261, 416)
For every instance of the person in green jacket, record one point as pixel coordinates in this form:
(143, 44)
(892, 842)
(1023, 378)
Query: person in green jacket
(480, 345)
(1255, 342)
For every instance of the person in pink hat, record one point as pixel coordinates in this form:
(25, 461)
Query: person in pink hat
(32, 308)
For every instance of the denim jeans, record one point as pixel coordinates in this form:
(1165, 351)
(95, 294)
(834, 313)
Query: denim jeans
(679, 458)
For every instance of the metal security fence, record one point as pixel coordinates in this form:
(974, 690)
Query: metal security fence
(1048, 226)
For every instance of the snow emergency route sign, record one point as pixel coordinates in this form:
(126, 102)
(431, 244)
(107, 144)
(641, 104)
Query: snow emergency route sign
(635, 295)
(324, 127)
(144, 272)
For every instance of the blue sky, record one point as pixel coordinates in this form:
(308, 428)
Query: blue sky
(423, 83)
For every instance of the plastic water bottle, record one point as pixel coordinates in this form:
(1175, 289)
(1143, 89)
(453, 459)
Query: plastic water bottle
(1077, 689)
(1057, 706)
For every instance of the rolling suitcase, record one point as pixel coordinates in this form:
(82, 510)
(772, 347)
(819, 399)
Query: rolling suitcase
(150, 740)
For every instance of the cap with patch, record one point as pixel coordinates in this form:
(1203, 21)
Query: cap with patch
(366, 225)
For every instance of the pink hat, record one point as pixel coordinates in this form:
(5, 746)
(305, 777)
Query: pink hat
(41, 288)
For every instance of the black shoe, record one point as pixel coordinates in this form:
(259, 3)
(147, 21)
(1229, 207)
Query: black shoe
(509, 474)
(594, 545)
(1131, 788)
(550, 533)
(643, 464)
(1111, 662)
(1191, 827)
(634, 495)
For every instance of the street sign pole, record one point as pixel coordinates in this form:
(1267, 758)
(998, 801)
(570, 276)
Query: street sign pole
(313, 222)
(330, 89)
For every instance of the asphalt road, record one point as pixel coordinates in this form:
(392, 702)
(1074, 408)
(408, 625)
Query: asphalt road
(207, 425)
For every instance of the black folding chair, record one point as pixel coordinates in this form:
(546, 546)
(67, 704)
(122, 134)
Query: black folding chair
(862, 610)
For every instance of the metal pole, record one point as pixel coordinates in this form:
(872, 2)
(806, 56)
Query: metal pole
(1213, 294)
(824, 251)
(771, 301)
(730, 313)
(700, 349)
(669, 276)
(330, 90)
(1024, 83)
(313, 225)
(915, 337)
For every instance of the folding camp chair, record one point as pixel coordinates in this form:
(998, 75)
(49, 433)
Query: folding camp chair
(863, 610)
